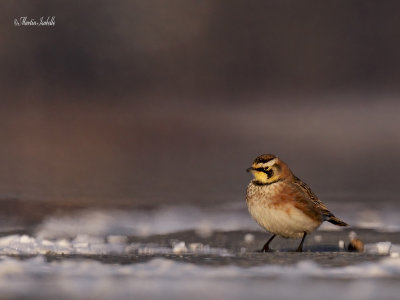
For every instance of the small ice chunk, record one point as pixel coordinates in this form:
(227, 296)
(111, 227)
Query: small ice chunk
(394, 255)
(352, 235)
(341, 244)
(26, 239)
(384, 247)
(195, 246)
(248, 238)
(318, 238)
(47, 243)
(63, 243)
(180, 248)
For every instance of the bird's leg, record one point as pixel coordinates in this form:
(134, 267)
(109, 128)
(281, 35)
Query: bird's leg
(266, 246)
(300, 248)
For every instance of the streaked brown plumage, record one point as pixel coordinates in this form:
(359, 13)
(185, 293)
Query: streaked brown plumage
(283, 204)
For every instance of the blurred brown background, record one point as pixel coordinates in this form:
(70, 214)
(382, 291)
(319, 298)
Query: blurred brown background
(140, 103)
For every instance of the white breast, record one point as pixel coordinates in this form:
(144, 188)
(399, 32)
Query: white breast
(285, 220)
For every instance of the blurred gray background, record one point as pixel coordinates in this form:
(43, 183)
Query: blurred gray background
(142, 103)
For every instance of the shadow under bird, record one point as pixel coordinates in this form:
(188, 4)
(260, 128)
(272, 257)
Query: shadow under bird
(282, 203)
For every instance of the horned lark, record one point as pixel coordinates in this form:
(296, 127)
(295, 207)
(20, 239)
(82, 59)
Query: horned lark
(282, 203)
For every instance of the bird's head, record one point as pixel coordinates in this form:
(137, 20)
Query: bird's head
(267, 169)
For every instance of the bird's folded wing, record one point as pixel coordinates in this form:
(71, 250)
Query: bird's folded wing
(314, 199)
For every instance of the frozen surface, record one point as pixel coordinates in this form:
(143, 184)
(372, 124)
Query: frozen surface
(203, 220)
(169, 279)
(118, 245)
(189, 252)
(89, 245)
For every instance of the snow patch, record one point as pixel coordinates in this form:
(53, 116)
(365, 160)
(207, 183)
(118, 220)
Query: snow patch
(180, 248)
(382, 248)
(86, 244)
(204, 221)
(164, 268)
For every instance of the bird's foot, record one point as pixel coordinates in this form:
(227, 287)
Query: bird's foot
(265, 250)
(300, 248)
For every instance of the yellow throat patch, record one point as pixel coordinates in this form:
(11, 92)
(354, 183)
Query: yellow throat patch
(265, 177)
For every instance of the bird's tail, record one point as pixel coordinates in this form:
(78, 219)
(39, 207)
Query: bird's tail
(336, 221)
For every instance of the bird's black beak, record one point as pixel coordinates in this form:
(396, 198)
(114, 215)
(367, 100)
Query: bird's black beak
(249, 169)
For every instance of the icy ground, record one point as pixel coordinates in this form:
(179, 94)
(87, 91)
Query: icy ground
(203, 220)
(196, 253)
(167, 279)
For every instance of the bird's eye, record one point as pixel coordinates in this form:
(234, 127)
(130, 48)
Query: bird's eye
(268, 171)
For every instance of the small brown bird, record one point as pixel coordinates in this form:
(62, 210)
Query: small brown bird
(283, 204)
